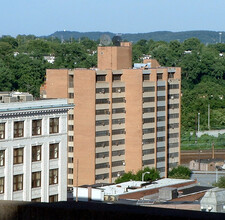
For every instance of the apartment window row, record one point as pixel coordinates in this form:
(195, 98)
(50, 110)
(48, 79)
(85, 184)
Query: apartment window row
(118, 163)
(70, 149)
(148, 141)
(118, 142)
(173, 135)
(174, 86)
(174, 125)
(148, 130)
(102, 133)
(118, 131)
(161, 88)
(172, 155)
(147, 162)
(160, 139)
(173, 96)
(102, 176)
(148, 151)
(173, 106)
(148, 89)
(102, 112)
(102, 101)
(160, 149)
(175, 115)
(161, 108)
(148, 99)
(160, 159)
(118, 89)
(173, 145)
(148, 120)
(118, 153)
(118, 121)
(102, 90)
(147, 110)
(100, 78)
(101, 122)
(102, 144)
(101, 165)
(161, 128)
(2, 130)
(102, 155)
(118, 110)
(118, 100)
(117, 174)
(161, 118)
(161, 98)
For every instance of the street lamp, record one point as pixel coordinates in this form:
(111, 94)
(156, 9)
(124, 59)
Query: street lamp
(143, 174)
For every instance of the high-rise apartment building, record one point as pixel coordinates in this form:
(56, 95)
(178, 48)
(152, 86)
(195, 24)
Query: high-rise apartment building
(125, 118)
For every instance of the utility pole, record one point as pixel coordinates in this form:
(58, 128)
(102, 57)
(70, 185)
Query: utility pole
(209, 116)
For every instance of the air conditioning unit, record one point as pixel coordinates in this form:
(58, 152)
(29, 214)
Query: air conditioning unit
(119, 90)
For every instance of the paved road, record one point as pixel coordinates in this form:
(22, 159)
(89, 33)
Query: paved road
(207, 178)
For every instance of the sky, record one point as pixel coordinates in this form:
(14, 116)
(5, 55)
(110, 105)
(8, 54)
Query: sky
(44, 17)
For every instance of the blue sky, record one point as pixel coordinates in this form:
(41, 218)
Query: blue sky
(44, 17)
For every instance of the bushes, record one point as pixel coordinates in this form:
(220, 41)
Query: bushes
(180, 172)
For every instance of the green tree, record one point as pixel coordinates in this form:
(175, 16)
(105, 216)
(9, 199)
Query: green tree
(220, 183)
(180, 172)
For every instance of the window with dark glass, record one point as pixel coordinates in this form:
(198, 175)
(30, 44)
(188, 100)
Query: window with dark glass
(36, 200)
(116, 77)
(2, 158)
(71, 95)
(18, 156)
(146, 77)
(171, 75)
(100, 78)
(53, 198)
(71, 117)
(53, 176)
(36, 153)
(36, 127)
(53, 151)
(36, 179)
(2, 130)
(54, 125)
(71, 77)
(2, 183)
(118, 110)
(149, 89)
(159, 76)
(18, 129)
(18, 182)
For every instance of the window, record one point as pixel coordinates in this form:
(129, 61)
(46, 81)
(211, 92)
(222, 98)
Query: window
(118, 163)
(150, 109)
(118, 121)
(2, 130)
(118, 153)
(70, 159)
(18, 129)
(53, 176)
(100, 78)
(18, 156)
(2, 179)
(148, 141)
(101, 122)
(118, 110)
(53, 151)
(159, 76)
(161, 108)
(102, 90)
(71, 95)
(118, 89)
(102, 144)
(36, 127)
(161, 88)
(148, 130)
(116, 77)
(70, 127)
(70, 181)
(101, 133)
(118, 100)
(174, 86)
(36, 179)
(54, 125)
(36, 200)
(70, 116)
(118, 131)
(118, 142)
(148, 151)
(161, 98)
(102, 176)
(149, 89)
(102, 112)
(2, 158)
(70, 149)
(71, 138)
(102, 101)
(102, 155)
(148, 99)
(53, 198)
(146, 77)
(36, 153)
(18, 182)
(161, 118)
(71, 81)
(148, 120)
(171, 75)
(101, 165)
(70, 170)
(147, 162)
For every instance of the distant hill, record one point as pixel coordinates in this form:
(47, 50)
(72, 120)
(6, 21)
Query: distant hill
(204, 36)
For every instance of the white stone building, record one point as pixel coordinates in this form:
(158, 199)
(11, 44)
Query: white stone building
(33, 150)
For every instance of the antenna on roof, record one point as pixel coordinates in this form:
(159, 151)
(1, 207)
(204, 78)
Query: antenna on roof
(116, 40)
